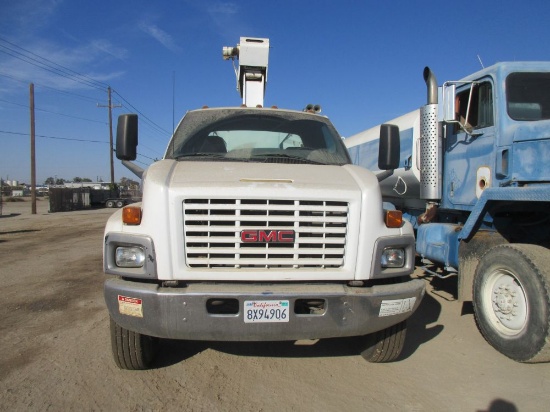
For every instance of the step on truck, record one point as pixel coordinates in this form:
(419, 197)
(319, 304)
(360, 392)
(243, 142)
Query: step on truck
(474, 180)
(255, 226)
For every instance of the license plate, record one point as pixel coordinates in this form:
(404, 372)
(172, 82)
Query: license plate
(258, 311)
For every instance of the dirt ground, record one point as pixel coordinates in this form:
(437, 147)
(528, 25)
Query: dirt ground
(55, 348)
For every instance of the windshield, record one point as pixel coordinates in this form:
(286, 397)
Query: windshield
(257, 135)
(528, 96)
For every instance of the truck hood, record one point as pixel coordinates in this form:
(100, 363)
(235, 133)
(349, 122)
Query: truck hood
(206, 221)
(196, 207)
(238, 179)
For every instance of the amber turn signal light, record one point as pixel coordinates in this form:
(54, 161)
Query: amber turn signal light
(394, 218)
(131, 215)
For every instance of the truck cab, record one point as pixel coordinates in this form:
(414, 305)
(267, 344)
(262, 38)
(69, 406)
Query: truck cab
(499, 133)
(474, 181)
(255, 226)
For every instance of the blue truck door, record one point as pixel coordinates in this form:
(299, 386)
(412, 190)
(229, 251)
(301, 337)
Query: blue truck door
(469, 157)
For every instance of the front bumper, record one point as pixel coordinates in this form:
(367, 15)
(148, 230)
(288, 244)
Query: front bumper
(181, 313)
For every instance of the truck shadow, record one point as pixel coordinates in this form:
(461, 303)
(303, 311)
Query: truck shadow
(14, 232)
(419, 332)
(447, 289)
(419, 326)
(10, 215)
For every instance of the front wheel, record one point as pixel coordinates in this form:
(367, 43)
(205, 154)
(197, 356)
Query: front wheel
(132, 350)
(385, 345)
(511, 298)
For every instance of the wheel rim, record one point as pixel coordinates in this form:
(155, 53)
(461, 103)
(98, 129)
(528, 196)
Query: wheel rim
(505, 302)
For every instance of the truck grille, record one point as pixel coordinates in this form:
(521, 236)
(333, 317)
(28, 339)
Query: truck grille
(313, 232)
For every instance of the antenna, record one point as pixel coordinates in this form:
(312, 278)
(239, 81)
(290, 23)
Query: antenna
(173, 100)
(480, 62)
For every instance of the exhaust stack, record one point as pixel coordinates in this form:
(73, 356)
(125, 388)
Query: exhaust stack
(431, 83)
(430, 143)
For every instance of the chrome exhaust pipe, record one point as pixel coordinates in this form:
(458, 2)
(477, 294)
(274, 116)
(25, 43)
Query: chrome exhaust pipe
(431, 82)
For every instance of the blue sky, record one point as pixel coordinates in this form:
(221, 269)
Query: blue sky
(362, 61)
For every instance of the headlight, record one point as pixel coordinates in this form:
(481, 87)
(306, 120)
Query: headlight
(129, 256)
(392, 258)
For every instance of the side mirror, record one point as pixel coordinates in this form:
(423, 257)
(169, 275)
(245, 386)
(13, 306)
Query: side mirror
(389, 150)
(448, 96)
(127, 137)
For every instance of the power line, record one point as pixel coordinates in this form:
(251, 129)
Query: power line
(43, 63)
(65, 72)
(74, 117)
(144, 164)
(13, 78)
(155, 127)
(147, 157)
(55, 137)
(70, 139)
(49, 111)
(49, 65)
(90, 99)
(153, 134)
(46, 67)
(147, 122)
(72, 94)
(159, 128)
(151, 149)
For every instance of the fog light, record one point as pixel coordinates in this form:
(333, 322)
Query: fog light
(393, 258)
(129, 257)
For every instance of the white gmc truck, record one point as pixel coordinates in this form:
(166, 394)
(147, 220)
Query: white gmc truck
(255, 226)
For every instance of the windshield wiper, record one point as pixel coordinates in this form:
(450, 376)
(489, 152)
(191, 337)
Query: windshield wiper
(194, 155)
(300, 159)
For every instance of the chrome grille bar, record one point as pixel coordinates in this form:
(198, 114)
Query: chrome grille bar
(213, 227)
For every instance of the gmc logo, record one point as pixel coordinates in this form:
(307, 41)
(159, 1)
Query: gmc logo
(267, 236)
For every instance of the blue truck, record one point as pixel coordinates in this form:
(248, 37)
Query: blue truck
(474, 180)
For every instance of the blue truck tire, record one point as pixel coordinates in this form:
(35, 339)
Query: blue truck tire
(511, 299)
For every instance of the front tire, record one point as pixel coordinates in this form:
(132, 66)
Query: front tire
(132, 350)
(385, 345)
(511, 299)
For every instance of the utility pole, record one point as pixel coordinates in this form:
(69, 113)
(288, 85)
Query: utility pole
(110, 107)
(33, 154)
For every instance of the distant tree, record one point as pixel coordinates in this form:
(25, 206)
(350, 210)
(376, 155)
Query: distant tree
(60, 181)
(129, 183)
(49, 181)
(87, 180)
(77, 180)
